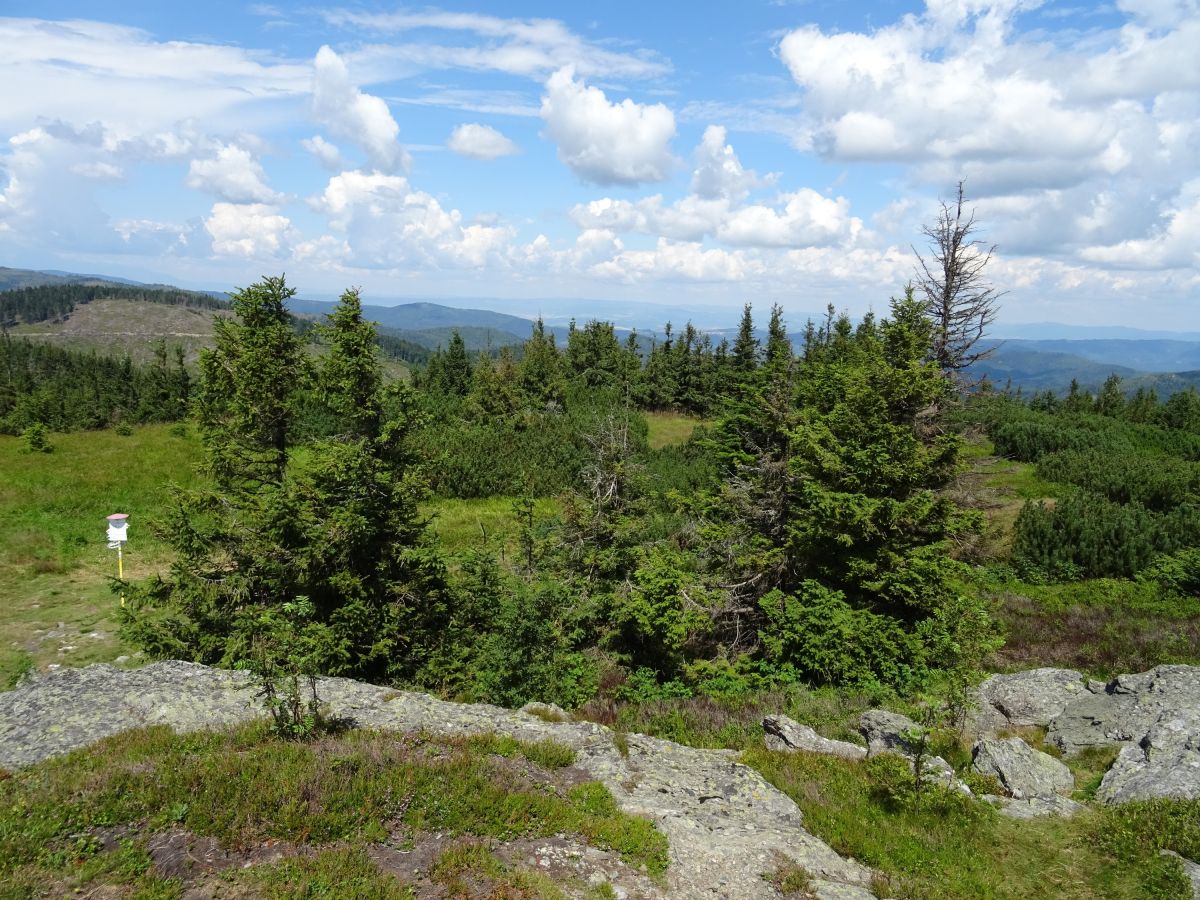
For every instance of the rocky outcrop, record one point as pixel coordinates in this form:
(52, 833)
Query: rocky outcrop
(1126, 708)
(889, 732)
(725, 824)
(1024, 772)
(1034, 697)
(788, 735)
(1153, 716)
(1164, 763)
(886, 731)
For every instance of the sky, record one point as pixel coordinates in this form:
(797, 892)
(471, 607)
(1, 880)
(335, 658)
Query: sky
(701, 154)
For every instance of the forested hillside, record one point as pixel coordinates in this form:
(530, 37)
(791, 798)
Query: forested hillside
(30, 305)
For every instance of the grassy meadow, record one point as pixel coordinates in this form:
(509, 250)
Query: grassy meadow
(54, 563)
(667, 428)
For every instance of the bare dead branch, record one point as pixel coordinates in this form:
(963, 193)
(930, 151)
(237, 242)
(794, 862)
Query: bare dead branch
(959, 301)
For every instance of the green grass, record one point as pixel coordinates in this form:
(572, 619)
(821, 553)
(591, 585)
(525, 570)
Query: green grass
(666, 428)
(948, 846)
(999, 488)
(341, 872)
(54, 565)
(243, 787)
(1006, 476)
(471, 870)
(465, 525)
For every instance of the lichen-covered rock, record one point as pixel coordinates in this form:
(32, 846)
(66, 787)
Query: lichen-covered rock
(789, 735)
(1025, 772)
(887, 731)
(1033, 697)
(1128, 707)
(725, 824)
(1164, 763)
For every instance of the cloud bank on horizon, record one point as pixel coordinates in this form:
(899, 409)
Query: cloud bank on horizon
(770, 152)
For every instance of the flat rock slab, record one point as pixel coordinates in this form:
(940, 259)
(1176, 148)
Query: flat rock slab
(1034, 807)
(1025, 772)
(1126, 709)
(724, 822)
(788, 735)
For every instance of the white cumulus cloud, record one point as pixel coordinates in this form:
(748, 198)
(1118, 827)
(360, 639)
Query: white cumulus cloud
(362, 119)
(327, 154)
(386, 223)
(1175, 244)
(604, 142)
(718, 171)
(233, 174)
(480, 142)
(717, 208)
(250, 230)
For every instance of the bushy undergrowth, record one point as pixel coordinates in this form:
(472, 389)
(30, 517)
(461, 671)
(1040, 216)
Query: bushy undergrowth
(1134, 473)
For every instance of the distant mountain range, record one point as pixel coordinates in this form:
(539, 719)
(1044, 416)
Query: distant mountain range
(1056, 331)
(1034, 357)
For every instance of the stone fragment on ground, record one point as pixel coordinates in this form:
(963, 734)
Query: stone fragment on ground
(788, 735)
(723, 821)
(1034, 807)
(1024, 772)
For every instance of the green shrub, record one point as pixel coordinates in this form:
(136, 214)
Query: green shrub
(37, 439)
(1084, 534)
(816, 635)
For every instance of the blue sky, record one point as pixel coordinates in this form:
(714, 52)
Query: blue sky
(699, 154)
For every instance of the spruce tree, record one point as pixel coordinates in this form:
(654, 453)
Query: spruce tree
(745, 347)
(249, 387)
(334, 531)
(456, 367)
(541, 367)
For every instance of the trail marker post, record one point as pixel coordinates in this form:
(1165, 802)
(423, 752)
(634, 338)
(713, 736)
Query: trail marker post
(118, 534)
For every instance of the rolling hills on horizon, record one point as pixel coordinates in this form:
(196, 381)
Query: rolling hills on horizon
(1164, 361)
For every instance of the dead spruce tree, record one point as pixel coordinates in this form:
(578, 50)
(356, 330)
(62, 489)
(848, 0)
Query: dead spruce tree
(959, 300)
